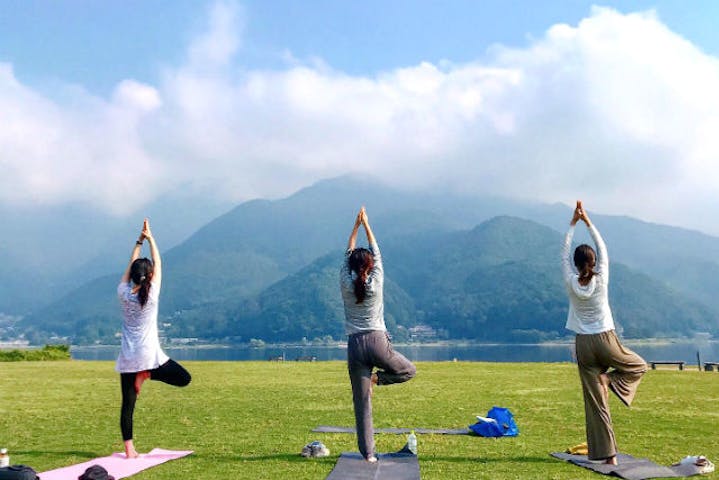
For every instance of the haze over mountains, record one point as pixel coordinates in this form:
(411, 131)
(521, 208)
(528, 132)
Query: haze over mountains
(467, 266)
(50, 250)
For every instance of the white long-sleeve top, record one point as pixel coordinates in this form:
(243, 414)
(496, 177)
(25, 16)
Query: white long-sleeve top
(589, 310)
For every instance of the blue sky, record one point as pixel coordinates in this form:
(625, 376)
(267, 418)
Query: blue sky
(98, 44)
(547, 101)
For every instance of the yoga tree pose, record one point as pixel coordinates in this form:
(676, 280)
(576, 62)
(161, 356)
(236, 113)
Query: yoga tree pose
(368, 345)
(141, 356)
(604, 363)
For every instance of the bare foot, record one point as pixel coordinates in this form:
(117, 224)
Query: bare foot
(140, 378)
(612, 460)
(130, 451)
(372, 459)
(373, 379)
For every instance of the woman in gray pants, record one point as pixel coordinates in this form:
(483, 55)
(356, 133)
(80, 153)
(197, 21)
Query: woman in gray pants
(604, 363)
(368, 346)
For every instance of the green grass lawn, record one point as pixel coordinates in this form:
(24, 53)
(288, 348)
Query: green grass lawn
(251, 419)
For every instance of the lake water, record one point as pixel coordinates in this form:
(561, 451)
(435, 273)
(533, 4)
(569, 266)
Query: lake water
(685, 351)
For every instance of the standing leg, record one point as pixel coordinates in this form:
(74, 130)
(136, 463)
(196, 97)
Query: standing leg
(394, 367)
(171, 373)
(129, 397)
(628, 368)
(360, 377)
(600, 433)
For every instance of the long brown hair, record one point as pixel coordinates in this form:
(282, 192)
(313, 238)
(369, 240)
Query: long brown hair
(141, 274)
(361, 262)
(585, 259)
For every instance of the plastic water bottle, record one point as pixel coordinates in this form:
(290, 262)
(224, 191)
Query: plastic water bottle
(412, 442)
(4, 458)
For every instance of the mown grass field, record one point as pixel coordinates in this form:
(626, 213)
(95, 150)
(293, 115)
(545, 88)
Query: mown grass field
(249, 420)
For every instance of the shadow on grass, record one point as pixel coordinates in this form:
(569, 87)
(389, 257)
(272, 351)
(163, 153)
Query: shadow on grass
(296, 458)
(285, 457)
(61, 453)
(507, 459)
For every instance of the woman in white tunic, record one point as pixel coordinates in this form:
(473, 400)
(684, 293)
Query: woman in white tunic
(141, 356)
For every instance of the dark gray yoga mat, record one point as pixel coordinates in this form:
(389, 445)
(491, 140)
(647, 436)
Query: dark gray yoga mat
(389, 466)
(396, 431)
(631, 468)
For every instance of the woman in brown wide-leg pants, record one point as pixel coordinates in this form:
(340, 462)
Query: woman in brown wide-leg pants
(596, 354)
(604, 363)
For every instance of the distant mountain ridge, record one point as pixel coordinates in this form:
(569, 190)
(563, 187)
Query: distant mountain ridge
(268, 270)
(48, 251)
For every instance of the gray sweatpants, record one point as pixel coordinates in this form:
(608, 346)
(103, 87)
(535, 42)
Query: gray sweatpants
(365, 351)
(598, 354)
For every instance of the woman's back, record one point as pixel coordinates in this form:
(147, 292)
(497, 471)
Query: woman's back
(589, 310)
(368, 314)
(134, 314)
(140, 346)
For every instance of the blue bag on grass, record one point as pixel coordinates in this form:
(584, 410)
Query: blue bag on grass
(499, 422)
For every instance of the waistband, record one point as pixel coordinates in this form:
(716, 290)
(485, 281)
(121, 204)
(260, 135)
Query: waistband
(605, 332)
(366, 332)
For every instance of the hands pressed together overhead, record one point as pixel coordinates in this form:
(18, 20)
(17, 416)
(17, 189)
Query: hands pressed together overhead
(145, 233)
(362, 217)
(363, 221)
(580, 214)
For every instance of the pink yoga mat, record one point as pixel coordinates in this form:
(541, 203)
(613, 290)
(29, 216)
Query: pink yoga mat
(117, 465)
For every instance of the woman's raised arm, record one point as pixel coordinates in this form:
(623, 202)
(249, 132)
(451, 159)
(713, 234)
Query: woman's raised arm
(353, 236)
(602, 255)
(368, 230)
(154, 254)
(134, 255)
(567, 246)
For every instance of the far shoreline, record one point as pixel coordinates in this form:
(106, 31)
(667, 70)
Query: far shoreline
(437, 344)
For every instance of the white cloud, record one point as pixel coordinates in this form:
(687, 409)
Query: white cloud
(87, 150)
(216, 46)
(618, 110)
(139, 97)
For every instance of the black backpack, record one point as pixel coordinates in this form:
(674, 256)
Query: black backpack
(96, 472)
(18, 472)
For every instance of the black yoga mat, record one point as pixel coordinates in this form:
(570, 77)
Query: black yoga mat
(389, 466)
(631, 468)
(396, 431)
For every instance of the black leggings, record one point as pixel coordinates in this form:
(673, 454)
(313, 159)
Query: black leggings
(170, 372)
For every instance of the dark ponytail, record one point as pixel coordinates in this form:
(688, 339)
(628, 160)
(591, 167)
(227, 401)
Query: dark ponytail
(141, 274)
(584, 260)
(361, 262)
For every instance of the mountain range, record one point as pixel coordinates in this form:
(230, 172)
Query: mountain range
(468, 266)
